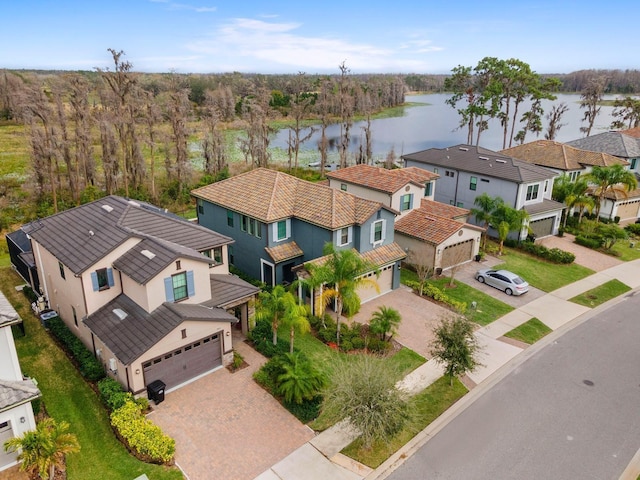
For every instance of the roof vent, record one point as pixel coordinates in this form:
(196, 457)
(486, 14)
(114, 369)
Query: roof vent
(500, 160)
(135, 204)
(91, 233)
(483, 158)
(121, 314)
(107, 208)
(148, 254)
(464, 149)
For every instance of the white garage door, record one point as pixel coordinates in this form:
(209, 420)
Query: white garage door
(457, 254)
(385, 282)
(6, 434)
(182, 364)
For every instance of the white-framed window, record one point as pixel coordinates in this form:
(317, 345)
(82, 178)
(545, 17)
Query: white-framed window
(634, 163)
(214, 254)
(428, 188)
(532, 192)
(378, 231)
(282, 230)
(345, 236)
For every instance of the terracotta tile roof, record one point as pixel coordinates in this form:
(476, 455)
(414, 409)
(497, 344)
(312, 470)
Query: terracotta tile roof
(381, 179)
(269, 196)
(632, 132)
(283, 252)
(618, 193)
(430, 228)
(380, 256)
(431, 207)
(547, 153)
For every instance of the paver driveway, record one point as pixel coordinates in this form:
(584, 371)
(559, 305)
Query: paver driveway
(228, 427)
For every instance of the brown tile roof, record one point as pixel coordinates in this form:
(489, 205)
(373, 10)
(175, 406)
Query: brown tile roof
(430, 228)
(283, 252)
(618, 194)
(380, 256)
(547, 153)
(269, 196)
(431, 207)
(381, 179)
(632, 132)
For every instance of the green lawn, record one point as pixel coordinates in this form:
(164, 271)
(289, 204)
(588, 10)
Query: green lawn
(426, 406)
(488, 308)
(539, 273)
(623, 250)
(67, 397)
(529, 332)
(599, 295)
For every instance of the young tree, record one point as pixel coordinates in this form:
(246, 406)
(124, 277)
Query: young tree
(43, 450)
(340, 276)
(298, 379)
(554, 117)
(363, 391)
(591, 97)
(385, 322)
(570, 193)
(418, 259)
(614, 178)
(507, 219)
(455, 346)
(295, 319)
(486, 206)
(276, 306)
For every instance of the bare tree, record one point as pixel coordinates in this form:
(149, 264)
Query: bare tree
(421, 260)
(152, 119)
(346, 113)
(554, 117)
(591, 97)
(83, 123)
(177, 110)
(323, 106)
(255, 112)
(213, 147)
(300, 106)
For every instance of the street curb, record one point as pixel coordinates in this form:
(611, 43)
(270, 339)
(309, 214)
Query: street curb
(398, 458)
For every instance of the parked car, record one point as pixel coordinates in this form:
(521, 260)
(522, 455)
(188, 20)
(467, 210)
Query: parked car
(507, 281)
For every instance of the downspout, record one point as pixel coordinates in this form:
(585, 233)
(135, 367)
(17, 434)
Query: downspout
(41, 270)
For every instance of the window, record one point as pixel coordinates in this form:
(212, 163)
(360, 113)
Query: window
(449, 173)
(178, 265)
(460, 204)
(244, 222)
(532, 192)
(251, 226)
(184, 333)
(229, 218)
(179, 283)
(546, 186)
(473, 183)
(406, 201)
(634, 164)
(428, 188)
(61, 267)
(217, 255)
(102, 279)
(200, 206)
(343, 187)
(435, 170)
(344, 236)
(377, 232)
(281, 230)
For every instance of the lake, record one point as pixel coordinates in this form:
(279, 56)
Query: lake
(433, 124)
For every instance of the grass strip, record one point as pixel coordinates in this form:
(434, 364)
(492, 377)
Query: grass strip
(600, 294)
(529, 332)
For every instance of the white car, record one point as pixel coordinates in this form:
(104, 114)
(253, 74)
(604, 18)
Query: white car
(507, 281)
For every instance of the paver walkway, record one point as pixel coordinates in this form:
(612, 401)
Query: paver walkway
(226, 426)
(586, 257)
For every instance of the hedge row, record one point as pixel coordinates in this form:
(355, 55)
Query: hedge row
(438, 295)
(554, 255)
(89, 366)
(143, 438)
(633, 228)
(593, 242)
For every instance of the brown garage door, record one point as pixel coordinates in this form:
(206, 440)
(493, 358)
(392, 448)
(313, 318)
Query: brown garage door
(543, 227)
(628, 210)
(182, 364)
(457, 253)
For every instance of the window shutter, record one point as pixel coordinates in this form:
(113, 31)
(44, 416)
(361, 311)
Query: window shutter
(372, 232)
(168, 289)
(275, 232)
(410, 201)
(288, 227)
(110, 277)
(384, 229)
(191, 287)
(350, 235)
(94, 281)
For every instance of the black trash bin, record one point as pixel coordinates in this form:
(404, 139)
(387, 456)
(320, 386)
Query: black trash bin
(155, 391)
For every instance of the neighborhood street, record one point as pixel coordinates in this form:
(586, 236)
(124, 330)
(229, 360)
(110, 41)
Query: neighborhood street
(570, 411)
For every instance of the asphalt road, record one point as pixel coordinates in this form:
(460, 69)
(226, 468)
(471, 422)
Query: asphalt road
(571, 411)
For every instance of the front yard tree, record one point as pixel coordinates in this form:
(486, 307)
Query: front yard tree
(570, 193)
(486, 204)
(615, 179)
(363, 391)
(385, 322)
(298, 380)
(276, 306)
(295, 319)
(506, 219)
(340, 277)
(455, 346)
(417, 258)
(43, 450)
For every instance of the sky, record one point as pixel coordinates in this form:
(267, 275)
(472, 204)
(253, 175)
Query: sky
(316, 37)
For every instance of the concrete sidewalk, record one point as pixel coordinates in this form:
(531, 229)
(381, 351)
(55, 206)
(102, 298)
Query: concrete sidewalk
(320, 458)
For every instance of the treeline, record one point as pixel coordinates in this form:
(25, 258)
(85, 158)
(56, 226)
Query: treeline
(119, 131)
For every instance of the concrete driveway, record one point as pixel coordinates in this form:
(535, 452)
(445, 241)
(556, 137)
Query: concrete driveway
(226, 426)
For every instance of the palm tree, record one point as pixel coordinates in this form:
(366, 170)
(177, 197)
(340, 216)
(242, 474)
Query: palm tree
(43, 450)
(571, 193)
(295, 319)
(507, 219)
(340, 277)
(298, 379)
(486, 205)
(614, 178)
(385, 321)
(276, 306)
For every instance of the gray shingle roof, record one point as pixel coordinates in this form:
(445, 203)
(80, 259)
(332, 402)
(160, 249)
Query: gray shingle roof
(8, 314)
(130, 337)
(613, 143)
(545, 206)
(228, 288)
(83, 235)
(474, 159)
(14, 393)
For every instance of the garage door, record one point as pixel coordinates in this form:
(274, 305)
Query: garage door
(628, 210)
(457, 254)
(385, 282)
(543, 227)
(6, 434)
(182, 364)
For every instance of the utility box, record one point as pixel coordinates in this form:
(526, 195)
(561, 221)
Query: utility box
(155, 391)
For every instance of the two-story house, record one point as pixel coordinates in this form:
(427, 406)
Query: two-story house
(279, 222)
(467, 171)
(16, 392)
(148, 292)
(401, 189)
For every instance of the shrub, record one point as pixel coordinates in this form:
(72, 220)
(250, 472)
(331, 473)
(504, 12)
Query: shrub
(438, 295)
(633, 228)
(357, 343)
(145, 439)
(112, 394)
(89, 366)
(554, 255)
(262, 338)
(346, 345)
(375, 344)
(30, 294)
(306, 411)
(594, 243)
